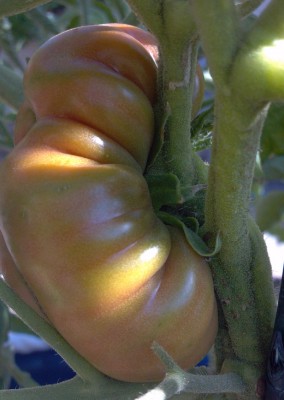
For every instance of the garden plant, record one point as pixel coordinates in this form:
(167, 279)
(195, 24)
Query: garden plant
(123, 244)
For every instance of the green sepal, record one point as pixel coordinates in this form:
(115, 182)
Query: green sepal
(191, 223)
(166, 189)
(192, 237)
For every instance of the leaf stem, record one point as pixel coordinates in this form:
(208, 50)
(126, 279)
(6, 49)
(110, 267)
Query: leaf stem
(172, 24)
(40, 326)
(194, 382)
(227, 210)
(242, 266)
(218, 24)
(176, 85)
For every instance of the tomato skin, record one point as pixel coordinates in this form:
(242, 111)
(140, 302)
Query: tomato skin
(77, 217)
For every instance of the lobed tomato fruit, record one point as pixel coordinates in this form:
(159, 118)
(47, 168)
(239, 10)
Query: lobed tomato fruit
(82, 243)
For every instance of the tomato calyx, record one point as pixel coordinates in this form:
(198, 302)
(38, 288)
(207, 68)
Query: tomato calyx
(174, 205)
(192, 237)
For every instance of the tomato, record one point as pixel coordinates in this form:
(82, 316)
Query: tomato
(76, 214)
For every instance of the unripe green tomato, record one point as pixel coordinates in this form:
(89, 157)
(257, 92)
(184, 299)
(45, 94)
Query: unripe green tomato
(86, 248)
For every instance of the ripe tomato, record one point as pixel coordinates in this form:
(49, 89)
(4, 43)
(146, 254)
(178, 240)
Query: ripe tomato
(77, 217)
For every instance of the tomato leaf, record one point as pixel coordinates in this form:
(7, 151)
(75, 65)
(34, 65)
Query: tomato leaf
(192, 237)
(165, 189)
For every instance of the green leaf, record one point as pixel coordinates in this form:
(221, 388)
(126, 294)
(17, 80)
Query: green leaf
(192, 238)
(272, 141)
(164, 189)
(12, 7)
(11, 88)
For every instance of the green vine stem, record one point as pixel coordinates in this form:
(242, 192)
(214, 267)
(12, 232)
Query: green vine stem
(40, 326)
(244, 334)
(197, 381)
(242, 272)
(171, 23)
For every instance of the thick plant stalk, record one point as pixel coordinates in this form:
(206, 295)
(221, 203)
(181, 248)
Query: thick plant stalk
(228, 200)
(177, 71)
(242, 272)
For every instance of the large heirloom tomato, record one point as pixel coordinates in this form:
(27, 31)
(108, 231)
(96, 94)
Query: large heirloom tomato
(82, 243)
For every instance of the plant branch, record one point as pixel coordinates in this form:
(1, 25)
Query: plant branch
(218, 25)
(82, 367)
(235, 145)
(195, 382)
(172, 24)
(236, 138)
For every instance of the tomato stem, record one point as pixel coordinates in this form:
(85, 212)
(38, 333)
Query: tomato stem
(218, 25)
(41, 327)
(175, 30)
(242, 267)
(176, 84)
